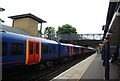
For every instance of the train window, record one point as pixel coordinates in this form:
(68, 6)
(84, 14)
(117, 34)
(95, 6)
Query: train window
(17, 49)
(68, 49)
(45, 49)
(31, 48)
(76, 49)
(4, 48)
(52, 49)
(37, 48)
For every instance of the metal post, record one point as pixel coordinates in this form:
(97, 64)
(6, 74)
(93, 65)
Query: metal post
(41, 30)
(107, 51)
(103, 54)
(93, 36)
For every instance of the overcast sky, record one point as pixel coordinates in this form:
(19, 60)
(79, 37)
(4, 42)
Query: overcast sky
(87, 16)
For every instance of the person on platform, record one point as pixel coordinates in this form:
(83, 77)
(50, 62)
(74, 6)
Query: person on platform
(114, 57)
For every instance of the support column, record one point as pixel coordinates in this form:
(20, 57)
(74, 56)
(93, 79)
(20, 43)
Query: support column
(40, 30)
(107, 53)
(103, 54)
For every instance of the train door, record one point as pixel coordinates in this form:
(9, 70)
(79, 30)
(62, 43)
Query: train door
(33, 52)
(71, 51)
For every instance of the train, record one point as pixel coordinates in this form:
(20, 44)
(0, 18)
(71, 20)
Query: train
(22, 50)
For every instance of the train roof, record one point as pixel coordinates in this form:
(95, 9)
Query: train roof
(72, 45)
(91, 48)
(13, 29)
(25, 37)
(78, 46)
(66, 44)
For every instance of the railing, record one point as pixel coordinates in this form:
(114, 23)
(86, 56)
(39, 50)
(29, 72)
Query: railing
(80, 36)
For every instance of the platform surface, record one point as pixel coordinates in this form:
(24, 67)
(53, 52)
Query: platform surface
(96, 70)
(90, 68)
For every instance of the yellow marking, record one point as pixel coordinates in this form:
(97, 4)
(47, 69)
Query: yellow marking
(40, 51)
(86, 68)
(76, 72)
(27, 51)
(82, 73)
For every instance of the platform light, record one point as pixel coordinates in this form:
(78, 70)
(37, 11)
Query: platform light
(107, 40)
(100, 44)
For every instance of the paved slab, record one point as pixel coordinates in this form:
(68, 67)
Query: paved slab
(114, 71)
(95, 70)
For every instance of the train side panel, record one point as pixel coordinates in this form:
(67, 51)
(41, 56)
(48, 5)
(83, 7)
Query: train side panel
(14, 50)
(49, 52)
(64, 51)
(20, 50)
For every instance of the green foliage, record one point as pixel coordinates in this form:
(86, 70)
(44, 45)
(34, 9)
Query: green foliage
(49, 32)
(2, 20)
(40, 33)
(66, 29)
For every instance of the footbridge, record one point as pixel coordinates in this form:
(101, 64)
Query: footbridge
(81, 39)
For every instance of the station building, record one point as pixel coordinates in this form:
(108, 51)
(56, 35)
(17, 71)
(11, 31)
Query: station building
(112, 26)
(26, 24)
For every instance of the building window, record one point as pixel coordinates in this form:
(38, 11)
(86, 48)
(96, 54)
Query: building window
(45, 48)
(52, 49)
(17, 49)
(4, 48)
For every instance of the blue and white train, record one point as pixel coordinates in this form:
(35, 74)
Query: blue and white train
(20, 50)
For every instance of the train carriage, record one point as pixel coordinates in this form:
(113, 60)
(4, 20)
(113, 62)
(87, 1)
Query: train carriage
(26, 50)
(66, 50)
(20, 50)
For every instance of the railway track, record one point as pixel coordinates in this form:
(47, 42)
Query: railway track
(41, 73)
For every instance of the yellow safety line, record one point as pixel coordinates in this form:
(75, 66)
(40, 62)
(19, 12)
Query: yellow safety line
(83, 73)
(85, 70)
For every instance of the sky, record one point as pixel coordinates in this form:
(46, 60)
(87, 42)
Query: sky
(87, 16)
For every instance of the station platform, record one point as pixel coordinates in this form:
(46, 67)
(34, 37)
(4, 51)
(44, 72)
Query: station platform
(90, 68)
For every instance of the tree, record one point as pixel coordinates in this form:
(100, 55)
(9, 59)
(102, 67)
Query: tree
(2, 20)
(66, 29)
(40, 33)
(2, 9)
(49, 32)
